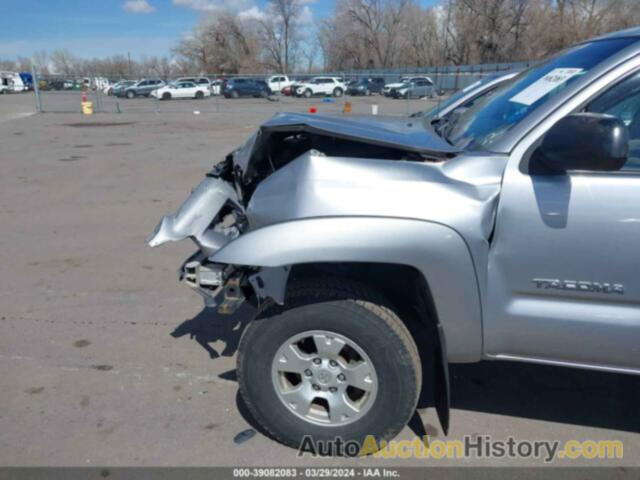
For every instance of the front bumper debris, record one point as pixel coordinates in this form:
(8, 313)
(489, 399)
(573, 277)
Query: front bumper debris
(219, 285)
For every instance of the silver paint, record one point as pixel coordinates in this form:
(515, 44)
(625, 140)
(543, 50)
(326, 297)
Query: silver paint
(477, 226)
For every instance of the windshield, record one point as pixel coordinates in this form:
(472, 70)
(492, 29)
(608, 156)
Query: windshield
(490, 118)
(433, 113)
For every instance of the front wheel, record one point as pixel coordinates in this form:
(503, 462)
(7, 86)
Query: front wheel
(335, 361)
(337, 92)
(199, 95)
(307, 93)
(166, 96)
(130, 94)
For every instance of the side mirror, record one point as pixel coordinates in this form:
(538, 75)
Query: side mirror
(582, 141)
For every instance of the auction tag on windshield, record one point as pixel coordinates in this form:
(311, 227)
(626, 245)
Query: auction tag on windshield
(544, 85)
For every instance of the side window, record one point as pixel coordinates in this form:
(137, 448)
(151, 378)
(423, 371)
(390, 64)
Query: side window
(623, 101)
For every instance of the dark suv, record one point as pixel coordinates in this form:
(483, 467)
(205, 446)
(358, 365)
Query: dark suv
(366, 86)
(245, 87)
(143, 88)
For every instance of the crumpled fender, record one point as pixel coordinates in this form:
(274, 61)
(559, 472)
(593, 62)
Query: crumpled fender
(436, 250)
(195, 215)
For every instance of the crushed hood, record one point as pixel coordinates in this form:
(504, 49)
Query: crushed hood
(404, 133)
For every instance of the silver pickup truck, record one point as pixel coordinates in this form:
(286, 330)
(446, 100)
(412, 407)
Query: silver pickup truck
(379, 250)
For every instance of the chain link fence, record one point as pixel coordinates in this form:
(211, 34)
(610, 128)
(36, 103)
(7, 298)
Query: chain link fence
(60, 93)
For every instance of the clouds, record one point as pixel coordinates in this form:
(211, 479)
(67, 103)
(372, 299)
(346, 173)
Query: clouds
(137, 6)
(253, 13)
(212, 5)
(304, 19)
(246, 9)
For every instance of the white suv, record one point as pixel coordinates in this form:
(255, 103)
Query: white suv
(321, 86)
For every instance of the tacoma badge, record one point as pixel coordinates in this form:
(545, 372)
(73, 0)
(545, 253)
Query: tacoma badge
(579, 285)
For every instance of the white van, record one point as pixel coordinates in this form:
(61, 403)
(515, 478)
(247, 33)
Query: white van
(5, 86)
(18, 84)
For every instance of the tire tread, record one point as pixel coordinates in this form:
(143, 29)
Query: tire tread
(309, 290)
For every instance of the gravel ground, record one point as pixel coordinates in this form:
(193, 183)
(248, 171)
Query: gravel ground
(105, 359)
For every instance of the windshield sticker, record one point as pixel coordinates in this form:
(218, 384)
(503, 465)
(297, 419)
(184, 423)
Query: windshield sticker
(544, 85)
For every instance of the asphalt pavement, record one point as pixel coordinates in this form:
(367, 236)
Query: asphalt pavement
(105, 359)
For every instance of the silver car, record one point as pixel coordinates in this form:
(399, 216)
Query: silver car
(465, 97)
(377, 249)
(415, 88)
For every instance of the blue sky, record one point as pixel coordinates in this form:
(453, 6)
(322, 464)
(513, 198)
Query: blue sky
(95, 28)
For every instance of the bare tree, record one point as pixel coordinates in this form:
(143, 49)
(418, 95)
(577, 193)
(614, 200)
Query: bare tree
(64, 63)
(380, 23)
(279, 34)
(222, 43)
(363, 34)
(41, 61)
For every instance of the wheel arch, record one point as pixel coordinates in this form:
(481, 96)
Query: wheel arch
(436, 251)
(412, 300)
(412, 261)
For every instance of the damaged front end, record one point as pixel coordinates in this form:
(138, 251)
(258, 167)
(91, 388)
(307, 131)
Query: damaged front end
(297, 167)
(212, 216)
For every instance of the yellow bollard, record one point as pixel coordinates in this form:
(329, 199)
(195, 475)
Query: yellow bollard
(87, 108)
(347, 107)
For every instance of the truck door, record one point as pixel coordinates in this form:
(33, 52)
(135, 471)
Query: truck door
(564, 266)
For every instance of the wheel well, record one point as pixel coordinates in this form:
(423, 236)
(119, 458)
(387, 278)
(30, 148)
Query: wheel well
(411, 297)
(408, 291)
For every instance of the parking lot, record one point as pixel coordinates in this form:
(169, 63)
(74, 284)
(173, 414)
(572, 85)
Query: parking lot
(105, 359)
(69, 101)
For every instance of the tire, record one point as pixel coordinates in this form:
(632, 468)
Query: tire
(131, 94)
(307, 93)
(199, 95)
(337, 92)
(342, 309)
(234, 94)
(264, 94)
(166, 96)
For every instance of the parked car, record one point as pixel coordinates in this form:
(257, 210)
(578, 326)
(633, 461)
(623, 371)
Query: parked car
(181, 89)
(202, 81)
(290, 91)
(215, 87)
(27, 80)
(328, 86)
(14, 82)
(514, 237)
(95, 83)
(114, 88)
(56, 84)
(415, 88)
(365, 86)
(4, 85)
(277, 82)
(466, 97)
(143, 88)
(387, 89)
(245, 87)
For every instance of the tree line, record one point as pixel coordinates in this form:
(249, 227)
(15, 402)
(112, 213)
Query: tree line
(361, 34)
